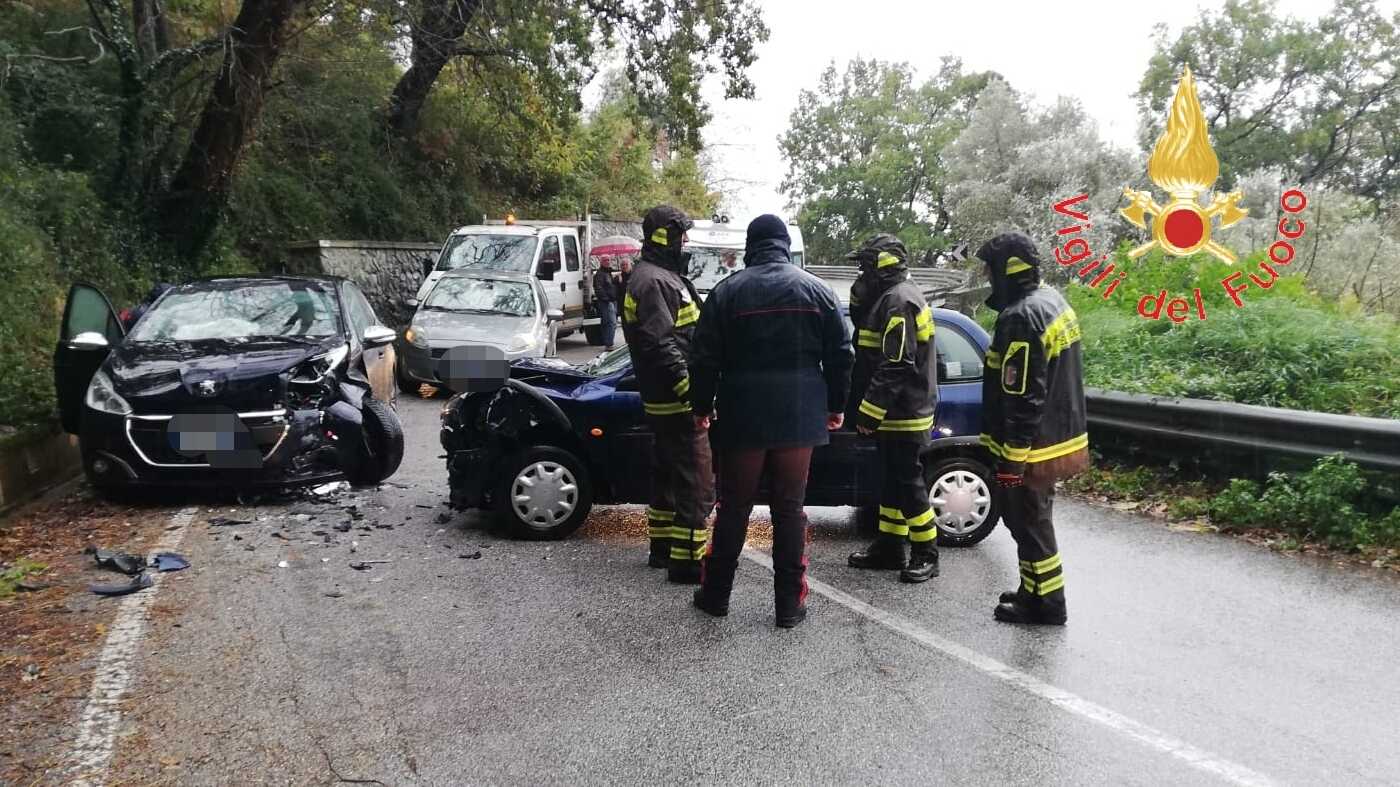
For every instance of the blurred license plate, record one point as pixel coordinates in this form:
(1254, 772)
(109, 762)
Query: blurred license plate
(204, 441)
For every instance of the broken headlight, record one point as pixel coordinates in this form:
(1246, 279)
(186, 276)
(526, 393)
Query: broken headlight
(102, 396)
(315, 369)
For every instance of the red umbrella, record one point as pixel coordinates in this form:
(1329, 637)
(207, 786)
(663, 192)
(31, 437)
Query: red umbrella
(615, 246)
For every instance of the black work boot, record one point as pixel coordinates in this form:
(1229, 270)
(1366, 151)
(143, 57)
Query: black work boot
(790, 618)
(683, 572)
(660, 554)
(923, 564)
(708, 605)
(887, 551)
(1035, 610)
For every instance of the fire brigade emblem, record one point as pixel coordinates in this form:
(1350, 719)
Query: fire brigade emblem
(1184, 165)
(1010, 377)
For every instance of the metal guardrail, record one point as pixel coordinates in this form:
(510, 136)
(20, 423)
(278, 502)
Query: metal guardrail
(928, 278)
(1227, 427)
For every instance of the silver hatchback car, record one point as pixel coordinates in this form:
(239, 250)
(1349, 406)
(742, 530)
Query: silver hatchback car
(504, 310)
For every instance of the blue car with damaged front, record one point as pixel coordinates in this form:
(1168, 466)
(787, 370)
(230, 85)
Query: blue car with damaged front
(557, 438)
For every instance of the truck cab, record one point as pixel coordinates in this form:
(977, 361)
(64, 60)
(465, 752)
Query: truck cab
(552, 254)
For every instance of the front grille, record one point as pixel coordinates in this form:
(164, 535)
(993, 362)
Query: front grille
(150, 436)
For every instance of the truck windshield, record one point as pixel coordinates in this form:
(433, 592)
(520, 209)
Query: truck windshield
(489, 252)
(709, 265)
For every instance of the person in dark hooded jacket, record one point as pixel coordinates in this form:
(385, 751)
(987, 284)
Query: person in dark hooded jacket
(1033, 419)
(659, 313)
(895, 396)
(772, 361)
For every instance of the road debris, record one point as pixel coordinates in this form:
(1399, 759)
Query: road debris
(366, 565)
(169, 561)
(282, 564)
(333, 488)
(124, 562)
(221, 521)
(471, 556)
(343, 527)
(139, 582)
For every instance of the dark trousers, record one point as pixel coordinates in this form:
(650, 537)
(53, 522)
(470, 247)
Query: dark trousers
(904, 507)
(1026, 510)
(607, 315)
(739, 474)
(682, 489)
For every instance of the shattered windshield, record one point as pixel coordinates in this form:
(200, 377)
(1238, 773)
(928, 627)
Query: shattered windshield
(491, 296)
(229, 310)
(709, 265)
(608, 363)
(489, 252)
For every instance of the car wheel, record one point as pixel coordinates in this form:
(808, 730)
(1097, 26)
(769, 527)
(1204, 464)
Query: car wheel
(960, 494)
(544, 494)
(383, 444)
(594, 334)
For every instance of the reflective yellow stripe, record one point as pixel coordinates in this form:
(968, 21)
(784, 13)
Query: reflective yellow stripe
(885, 260)
(687, 314)
(665, 408)
(681, 387)
(911, 425)
(921, 520)
(697, 535)
(1046, 565)
(664, 532)
(893, 514)
(893, 527)
(660, 515)
(1059, 449)
(920, 536)
(1051, 585)
(868, 338)
(1061, 334)
(629, 308)
(1016, 265)
(895, 324)
(1012, 454)
(924, 334)
(878, 413)
(924, 325)
(681, 553)
(660, 236)
(1029, 585)
(993, 359)
(1024, 350)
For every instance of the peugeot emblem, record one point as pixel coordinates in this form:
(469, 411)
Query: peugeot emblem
(207, 388)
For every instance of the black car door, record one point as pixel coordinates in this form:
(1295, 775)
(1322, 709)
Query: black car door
(377, 350)
(89, 332)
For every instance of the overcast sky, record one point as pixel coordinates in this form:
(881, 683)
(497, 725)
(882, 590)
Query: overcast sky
(1093, 49)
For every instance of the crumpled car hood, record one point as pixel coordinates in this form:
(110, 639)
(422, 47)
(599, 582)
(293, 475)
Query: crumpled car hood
(164, 377)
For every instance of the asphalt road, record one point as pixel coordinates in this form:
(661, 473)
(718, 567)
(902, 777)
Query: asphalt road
(1189, 658)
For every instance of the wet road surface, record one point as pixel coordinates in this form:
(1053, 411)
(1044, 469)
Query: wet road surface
(1189, 658)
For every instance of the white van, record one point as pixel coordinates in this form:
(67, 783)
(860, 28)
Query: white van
(717, 250)
(552, 252)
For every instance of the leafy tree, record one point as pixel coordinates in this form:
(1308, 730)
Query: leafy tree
(1321, 100)
(864, 153)
(668, 46)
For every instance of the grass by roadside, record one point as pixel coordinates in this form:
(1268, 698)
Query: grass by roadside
(1334, 509)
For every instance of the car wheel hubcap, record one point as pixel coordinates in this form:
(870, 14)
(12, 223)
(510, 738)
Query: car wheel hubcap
(544, 494)
(960, 501)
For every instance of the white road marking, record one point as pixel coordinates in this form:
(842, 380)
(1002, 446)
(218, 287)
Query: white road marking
(97, 727)
(1130, 728)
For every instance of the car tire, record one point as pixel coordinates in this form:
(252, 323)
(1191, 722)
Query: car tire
(383, 444)
(555, 491)
(960, 494)
(594, 335)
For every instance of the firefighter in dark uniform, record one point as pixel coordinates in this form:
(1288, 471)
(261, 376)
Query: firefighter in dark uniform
(895, 384)
(1033, 419)
(659, 314)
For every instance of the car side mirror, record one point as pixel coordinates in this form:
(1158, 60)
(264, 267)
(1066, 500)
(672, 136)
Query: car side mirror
(88, 340)
(428, 266)
(627, 383)
(378, 336)
(554, 315)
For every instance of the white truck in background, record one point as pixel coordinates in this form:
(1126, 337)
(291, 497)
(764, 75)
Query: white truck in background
(717, 250)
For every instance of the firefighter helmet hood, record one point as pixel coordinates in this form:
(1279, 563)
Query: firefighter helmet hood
(1013, 266)
(663, 233)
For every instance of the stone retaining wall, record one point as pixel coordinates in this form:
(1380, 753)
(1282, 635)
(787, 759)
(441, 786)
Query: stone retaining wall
(389, 272)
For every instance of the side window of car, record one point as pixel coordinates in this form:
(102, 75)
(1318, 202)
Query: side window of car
(549, 258)
(958, 359)
(359, 314)
(571, 252)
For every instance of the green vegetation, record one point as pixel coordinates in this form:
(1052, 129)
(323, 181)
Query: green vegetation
(13, 574)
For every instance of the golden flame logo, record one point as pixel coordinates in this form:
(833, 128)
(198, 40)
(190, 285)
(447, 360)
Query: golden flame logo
(1184, 165)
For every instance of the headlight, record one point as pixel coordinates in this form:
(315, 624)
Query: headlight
(417, 337)
(103, 397)
(315, 369)
(522, 341)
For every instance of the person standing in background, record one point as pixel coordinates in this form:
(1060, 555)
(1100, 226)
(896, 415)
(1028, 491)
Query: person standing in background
(605, 300)
(770, 370)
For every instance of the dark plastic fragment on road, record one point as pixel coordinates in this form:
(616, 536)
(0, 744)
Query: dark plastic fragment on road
(335, 594)
(220, 521)
(343, 527)
(366, 565)
(117, 561)
(443, 519)
(421, 505)
(169, 561)
(139, 582)
(318, 533)
(471, 555)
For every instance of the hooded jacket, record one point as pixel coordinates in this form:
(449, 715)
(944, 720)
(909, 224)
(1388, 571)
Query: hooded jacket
(1033, 414)
(896, 374)
(659, 313)
(772, 353)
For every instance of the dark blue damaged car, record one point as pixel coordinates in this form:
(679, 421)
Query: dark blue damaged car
(558, 438)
